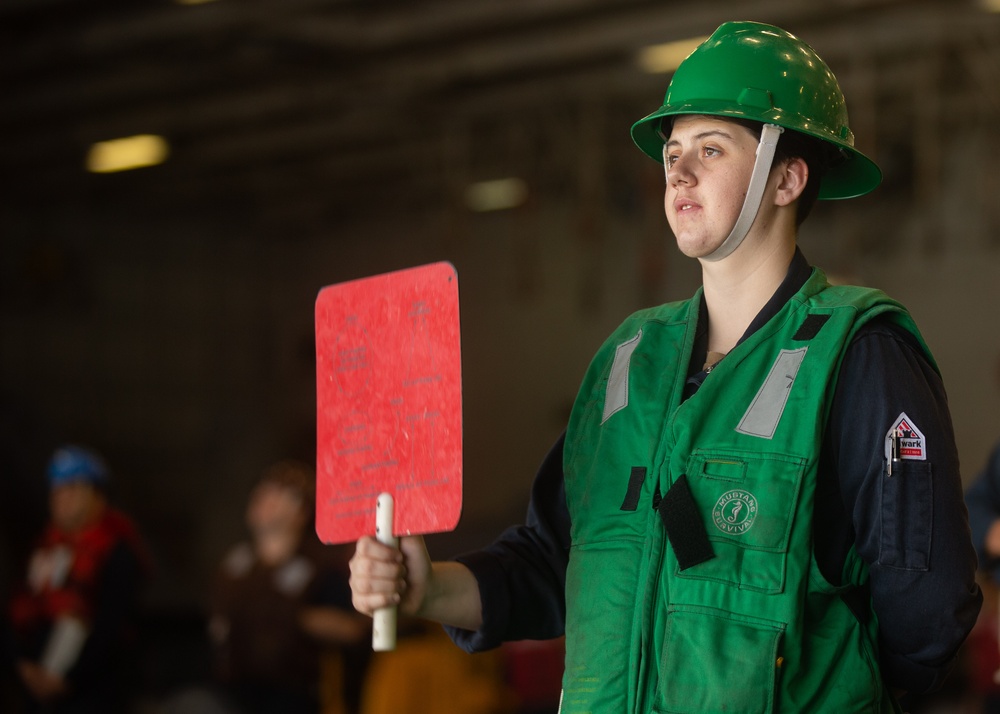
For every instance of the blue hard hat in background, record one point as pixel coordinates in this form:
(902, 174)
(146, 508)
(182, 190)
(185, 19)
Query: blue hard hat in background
(75, 463)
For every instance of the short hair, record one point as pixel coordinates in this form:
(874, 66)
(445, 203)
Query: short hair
(295, 476)
(818, 155)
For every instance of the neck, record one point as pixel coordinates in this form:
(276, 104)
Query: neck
(736, 290)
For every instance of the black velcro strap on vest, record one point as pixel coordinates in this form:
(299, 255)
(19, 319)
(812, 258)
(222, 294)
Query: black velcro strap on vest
(685, 529)
(635, 480)
(859, 600)
(810, 326)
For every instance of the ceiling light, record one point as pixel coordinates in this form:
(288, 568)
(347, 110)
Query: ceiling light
(661, 59)
(131, 152)
(496, 195)
(990, 5)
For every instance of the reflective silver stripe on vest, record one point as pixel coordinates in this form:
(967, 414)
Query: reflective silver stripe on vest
(764, 412)
(616, 396)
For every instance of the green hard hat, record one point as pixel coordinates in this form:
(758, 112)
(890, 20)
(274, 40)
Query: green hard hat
(760, 72)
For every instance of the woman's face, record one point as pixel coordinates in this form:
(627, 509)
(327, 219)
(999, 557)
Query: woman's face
(709, 162)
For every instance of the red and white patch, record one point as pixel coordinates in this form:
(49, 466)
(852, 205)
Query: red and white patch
(909, 440)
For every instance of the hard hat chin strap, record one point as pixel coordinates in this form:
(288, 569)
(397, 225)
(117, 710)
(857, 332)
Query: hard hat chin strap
(755, 193)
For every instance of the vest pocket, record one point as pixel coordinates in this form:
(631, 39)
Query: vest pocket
(718, 662)
(748, 504)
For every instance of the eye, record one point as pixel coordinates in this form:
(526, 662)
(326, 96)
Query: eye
(670, 160)
(712, 151)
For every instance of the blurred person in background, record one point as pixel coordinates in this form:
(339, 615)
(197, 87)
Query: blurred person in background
(286, 638)
(73, 620)
(983, 500)
(757, 504)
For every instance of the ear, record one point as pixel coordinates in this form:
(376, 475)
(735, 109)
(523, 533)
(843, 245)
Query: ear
(792, 177)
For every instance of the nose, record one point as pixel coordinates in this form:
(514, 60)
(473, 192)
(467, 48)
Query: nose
(679, 173)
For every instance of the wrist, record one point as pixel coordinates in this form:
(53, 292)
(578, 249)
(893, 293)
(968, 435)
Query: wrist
(452, 596)
(434, 590)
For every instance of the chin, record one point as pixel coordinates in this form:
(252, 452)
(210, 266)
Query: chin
(695, 250)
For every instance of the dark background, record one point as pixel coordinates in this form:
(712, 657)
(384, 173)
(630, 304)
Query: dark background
(164, 315)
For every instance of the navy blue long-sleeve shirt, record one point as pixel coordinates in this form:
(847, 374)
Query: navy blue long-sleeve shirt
(912, 530)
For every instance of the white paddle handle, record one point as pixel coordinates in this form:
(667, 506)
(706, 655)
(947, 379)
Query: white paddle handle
(384, 620)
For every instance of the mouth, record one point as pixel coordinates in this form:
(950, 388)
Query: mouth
(682, 205)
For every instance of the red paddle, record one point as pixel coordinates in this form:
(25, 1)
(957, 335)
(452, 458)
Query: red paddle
(388, 410)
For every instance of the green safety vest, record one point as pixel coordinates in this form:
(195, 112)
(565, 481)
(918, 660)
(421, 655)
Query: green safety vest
(729, 612)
